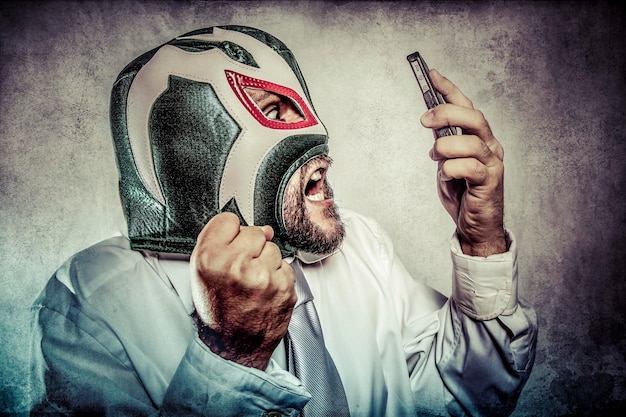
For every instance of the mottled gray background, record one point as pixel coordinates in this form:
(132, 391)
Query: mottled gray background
(549, 76)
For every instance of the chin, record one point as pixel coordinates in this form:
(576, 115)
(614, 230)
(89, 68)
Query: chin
(323, 217)
(319, 231)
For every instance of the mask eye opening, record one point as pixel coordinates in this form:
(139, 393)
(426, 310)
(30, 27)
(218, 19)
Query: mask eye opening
(242, 86)
(273, 103)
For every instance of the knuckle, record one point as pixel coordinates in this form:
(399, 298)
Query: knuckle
(499, 172)
(271, 256)
(209, 265)
(483, 150)
(480, 116)
(237, 267)
(286, 272)
(478, 169)
(482, 123)
(287, 287)
(273, 249)
(499, 150)
(436, 150)
(228, 216)
(446, 146)
(444, 165)
(439, 112)
(255, 232)
(223, 220)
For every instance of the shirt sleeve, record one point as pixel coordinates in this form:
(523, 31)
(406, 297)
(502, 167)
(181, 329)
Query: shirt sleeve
(473, 355)
(225, 388)
(79, 366)
(486, 343)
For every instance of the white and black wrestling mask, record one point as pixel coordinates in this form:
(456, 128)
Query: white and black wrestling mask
(191, 143)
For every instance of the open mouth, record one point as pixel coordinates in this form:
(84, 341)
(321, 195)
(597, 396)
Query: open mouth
(314, 189)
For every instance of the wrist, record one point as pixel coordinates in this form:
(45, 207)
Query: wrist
(495, 244)
(241, 349)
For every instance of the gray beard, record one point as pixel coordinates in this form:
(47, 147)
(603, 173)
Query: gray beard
(305, 235)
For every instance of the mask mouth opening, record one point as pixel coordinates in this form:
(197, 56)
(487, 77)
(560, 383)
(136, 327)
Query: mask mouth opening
(314, 189)
(311, 180)
(314, 179)
(239, 83)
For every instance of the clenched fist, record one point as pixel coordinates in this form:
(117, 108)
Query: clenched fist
(242, 290)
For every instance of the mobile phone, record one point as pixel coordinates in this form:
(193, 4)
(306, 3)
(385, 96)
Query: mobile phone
(432, 97)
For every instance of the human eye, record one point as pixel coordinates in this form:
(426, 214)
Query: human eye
(272, 112)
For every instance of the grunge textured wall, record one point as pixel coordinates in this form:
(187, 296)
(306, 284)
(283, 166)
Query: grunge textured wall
(549, 76)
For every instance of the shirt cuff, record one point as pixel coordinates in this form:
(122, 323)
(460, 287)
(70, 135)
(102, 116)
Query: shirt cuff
(206, 384)
(485, 288)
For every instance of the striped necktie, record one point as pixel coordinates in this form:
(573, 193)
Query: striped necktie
(308, 358)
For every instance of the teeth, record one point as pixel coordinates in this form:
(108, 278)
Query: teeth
(316, 197)
(314, 185)
(317, 175)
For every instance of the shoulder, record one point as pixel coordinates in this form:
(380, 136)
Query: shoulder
(98, 265)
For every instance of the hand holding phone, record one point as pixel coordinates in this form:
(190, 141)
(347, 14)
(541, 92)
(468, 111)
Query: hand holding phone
(431, 96)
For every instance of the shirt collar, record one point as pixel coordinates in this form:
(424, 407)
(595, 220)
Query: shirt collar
(175, 268)
(310, 258)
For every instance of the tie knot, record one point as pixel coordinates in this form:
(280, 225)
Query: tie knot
(303, 292)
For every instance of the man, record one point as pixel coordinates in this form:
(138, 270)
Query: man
(233, 233)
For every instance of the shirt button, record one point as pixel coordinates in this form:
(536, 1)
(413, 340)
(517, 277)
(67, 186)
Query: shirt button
(274, 414)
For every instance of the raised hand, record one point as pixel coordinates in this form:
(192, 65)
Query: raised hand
(242, 290)
(470, 171)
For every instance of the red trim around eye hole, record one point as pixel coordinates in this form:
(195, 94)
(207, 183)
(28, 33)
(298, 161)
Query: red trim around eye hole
(239, 81)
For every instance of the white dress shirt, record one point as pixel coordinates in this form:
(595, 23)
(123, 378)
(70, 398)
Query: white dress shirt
(114, 334)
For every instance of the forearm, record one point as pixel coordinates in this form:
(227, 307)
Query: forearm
(486, 344)
(80, 365)
(206, 384)
(485, 364)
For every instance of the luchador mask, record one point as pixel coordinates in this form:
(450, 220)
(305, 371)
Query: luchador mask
(191, 143)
